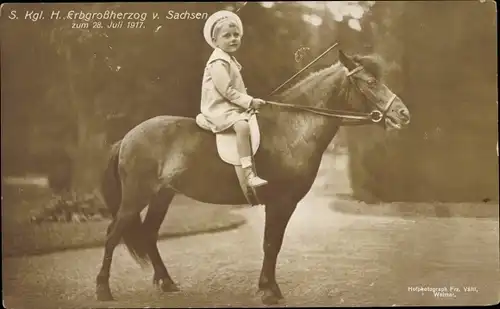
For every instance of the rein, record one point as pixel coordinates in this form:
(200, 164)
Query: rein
(349, 118)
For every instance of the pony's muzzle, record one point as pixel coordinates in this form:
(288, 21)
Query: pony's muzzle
(404, 114)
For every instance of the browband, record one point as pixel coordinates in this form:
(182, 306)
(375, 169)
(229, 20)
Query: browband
(357, 69)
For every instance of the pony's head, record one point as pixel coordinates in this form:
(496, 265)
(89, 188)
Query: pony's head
(364, 75)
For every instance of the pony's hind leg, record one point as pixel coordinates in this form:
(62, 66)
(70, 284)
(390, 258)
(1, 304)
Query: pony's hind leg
(125, 224)
(103, 291)
(157, 211)
(114, 236)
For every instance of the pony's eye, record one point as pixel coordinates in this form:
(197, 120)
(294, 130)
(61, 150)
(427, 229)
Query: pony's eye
(371, 82)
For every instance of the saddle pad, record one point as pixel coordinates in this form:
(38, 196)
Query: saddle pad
(226, 141)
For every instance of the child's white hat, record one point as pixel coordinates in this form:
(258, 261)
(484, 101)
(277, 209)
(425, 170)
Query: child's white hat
(216, 17)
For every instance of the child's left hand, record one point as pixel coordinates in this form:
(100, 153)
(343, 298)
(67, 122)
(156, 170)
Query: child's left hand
(257, 103)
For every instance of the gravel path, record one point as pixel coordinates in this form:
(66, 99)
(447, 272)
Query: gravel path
(328, 259)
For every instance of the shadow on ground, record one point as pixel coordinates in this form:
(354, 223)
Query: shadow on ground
(333, 183)
(346, 204)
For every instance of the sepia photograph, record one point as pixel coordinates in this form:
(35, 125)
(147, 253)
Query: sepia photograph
(249, 154)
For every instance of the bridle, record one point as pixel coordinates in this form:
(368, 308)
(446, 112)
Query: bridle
(380, 112)
(348, 117)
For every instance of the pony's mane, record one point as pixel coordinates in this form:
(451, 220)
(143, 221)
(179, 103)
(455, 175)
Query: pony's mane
(311, 81)
(372, 63)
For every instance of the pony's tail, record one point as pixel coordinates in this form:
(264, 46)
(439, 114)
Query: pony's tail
(111, 187)
(112, 190)
(134, 239)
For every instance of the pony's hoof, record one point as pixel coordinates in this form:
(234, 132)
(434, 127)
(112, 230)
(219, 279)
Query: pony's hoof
(170, 287)
(166, 286)
(269, 298)
(104, 294)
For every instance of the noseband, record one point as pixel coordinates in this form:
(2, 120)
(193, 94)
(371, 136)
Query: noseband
(347, 117)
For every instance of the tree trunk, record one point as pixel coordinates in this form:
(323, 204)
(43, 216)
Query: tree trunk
(88, 153)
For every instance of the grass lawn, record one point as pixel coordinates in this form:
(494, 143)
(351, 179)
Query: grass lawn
(21, 237)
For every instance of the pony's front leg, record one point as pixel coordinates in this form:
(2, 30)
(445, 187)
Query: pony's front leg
(277, 218)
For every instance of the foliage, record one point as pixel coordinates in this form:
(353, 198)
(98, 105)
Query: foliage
(67, 94)
(443, 58)
(74, 208)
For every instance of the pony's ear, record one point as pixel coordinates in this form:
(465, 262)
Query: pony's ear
(346, 61)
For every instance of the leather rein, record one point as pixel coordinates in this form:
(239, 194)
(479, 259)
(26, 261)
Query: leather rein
(348, 117)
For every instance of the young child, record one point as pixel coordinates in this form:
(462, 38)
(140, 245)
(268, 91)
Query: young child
(224, 100)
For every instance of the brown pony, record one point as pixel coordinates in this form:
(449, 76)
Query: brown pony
(166, 155)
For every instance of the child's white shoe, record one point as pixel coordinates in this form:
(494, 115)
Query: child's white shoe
(253, 180)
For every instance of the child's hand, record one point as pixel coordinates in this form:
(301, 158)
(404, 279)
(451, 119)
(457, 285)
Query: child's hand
(257, 103)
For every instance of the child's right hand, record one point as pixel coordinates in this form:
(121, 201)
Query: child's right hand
(257, 103)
